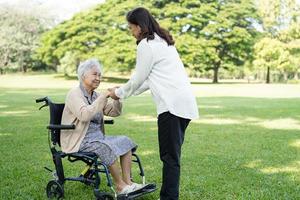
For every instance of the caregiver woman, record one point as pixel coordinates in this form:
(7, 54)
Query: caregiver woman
(160, 69)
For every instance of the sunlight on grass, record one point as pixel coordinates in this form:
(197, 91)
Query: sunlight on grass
(35, 81)
(146, 153)
(248, 90)
(210, 106)
(253, 164)
(252, 119)
(256, 164)
(141, 118)
(295, 144)
(284, 124)
(218, 121)
(288, 169)
(5, 134)
(18, 113)
(3, 106)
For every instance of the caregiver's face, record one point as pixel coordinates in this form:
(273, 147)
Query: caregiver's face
(135, 30)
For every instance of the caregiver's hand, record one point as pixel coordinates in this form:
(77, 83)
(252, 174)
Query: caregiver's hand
(112, 93)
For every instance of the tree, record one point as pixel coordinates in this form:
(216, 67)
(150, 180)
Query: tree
(209, 34)
(214, 34)
(100, 33)
(280, 24)
(18, 38)
(272, 54)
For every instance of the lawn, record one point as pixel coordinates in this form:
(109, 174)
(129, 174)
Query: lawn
(246, 145)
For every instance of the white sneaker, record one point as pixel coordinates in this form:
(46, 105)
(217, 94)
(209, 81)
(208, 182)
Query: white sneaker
(137, 186)
(127, 189)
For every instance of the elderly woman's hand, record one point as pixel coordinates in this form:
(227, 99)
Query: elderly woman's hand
(106, 93)
(112, 93)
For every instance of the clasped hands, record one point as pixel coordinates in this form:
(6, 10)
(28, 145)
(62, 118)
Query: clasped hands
(111, 93)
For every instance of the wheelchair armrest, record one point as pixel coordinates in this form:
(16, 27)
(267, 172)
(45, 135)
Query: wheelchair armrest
(60, 127)
(108, 121)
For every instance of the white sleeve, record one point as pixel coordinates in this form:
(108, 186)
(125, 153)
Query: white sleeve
(142, 89)
(144, 64)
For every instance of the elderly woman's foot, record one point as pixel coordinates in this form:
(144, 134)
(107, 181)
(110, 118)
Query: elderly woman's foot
(125, 190)
(130, 188)
(137, 186)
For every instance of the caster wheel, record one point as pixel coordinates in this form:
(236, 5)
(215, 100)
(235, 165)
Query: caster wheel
(54, 190)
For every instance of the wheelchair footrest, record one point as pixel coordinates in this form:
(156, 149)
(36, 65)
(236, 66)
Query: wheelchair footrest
(132, 195)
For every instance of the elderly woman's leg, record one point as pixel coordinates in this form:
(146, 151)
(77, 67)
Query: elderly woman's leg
(126, 167)
(115, 172)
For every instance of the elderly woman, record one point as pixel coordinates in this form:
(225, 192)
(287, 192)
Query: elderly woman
(85, 108)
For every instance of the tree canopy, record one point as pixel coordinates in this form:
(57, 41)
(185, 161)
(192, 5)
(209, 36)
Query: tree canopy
(215, 38)
(19, 36)
(209, 34)
(279, 48)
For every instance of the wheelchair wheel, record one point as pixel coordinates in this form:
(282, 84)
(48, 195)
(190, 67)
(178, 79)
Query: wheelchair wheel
(54, 190)
(104, 196)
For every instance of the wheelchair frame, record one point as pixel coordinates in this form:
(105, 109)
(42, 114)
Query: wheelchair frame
(90, 174)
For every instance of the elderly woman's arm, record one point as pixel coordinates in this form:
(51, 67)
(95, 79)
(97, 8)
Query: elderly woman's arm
(83, 111)
(113, 108)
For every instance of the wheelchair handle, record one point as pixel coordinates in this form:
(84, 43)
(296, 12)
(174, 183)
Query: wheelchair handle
(44, 99)
(39, 100)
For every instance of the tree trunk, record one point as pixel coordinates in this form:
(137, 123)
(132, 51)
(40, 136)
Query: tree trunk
(296, 76)
(285, 77)
(216, 73)
(24, 67)
(268, 75)
(21, 61)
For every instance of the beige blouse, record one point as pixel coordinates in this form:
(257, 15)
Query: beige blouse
(79, 113)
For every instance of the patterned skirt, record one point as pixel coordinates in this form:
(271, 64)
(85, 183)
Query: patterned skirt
(107, 148)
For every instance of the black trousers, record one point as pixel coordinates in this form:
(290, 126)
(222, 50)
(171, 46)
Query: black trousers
(171, 130)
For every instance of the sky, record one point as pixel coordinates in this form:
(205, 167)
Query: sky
(58, 9)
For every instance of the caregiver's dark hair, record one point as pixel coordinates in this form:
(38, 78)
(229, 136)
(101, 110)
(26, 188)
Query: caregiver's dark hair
(142, 17)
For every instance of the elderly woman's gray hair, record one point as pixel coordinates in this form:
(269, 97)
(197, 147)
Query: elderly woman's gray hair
(87, 65)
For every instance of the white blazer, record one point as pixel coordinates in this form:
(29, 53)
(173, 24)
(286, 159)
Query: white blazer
(160, 69)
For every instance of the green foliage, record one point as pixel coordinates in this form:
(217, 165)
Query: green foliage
(19, 37)
(208, 34)
(69, 63)
(280, 49)
(269, 52)
(101, 33)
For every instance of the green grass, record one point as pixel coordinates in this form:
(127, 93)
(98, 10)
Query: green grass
(240, 148)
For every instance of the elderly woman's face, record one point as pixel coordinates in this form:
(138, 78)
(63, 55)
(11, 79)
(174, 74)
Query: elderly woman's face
(91, 78)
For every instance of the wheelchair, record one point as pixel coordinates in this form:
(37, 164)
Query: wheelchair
(90, 174)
